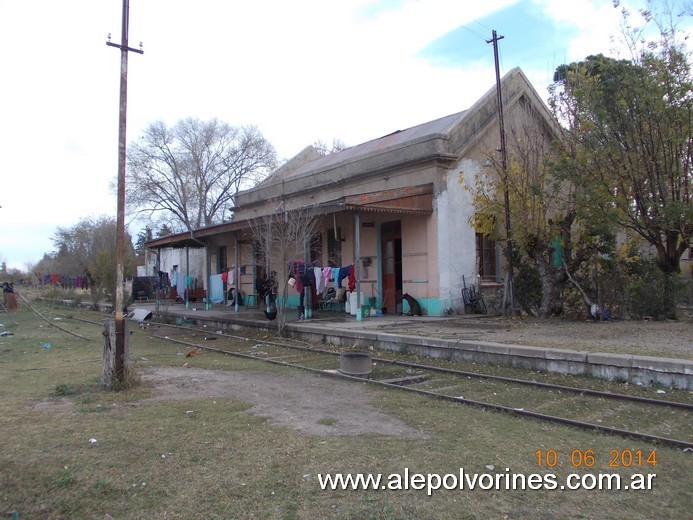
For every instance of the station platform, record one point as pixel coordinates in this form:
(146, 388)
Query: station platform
(553, 346)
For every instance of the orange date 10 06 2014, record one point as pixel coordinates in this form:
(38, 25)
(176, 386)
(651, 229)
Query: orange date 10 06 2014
(589, 458)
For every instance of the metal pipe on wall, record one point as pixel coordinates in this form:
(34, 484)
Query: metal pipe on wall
(357, 264)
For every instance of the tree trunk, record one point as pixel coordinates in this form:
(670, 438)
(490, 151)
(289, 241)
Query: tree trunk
(551, 288)
(11, 304)
(110, 377)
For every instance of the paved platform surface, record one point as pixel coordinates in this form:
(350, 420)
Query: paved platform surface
(651, 339)
(642, 353)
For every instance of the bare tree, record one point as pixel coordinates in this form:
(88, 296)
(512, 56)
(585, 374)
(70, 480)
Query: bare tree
(186, 176)
(279, 237)
(324, 149)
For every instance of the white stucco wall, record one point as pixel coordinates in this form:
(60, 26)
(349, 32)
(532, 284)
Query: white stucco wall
(456, 237)
(171, 257)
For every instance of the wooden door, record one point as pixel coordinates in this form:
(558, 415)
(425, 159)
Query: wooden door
(391, 265)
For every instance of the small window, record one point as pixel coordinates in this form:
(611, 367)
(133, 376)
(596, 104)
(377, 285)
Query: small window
(486, 255)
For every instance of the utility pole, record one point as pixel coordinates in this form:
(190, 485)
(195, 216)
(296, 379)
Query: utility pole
(504, 171)
(120, 218)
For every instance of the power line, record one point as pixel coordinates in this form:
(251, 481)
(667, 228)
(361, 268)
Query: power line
(474, 33)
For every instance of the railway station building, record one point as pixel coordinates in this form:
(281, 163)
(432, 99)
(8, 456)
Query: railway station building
(395, 212)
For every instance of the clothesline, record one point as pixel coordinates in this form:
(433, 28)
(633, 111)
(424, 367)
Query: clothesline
(306, 274)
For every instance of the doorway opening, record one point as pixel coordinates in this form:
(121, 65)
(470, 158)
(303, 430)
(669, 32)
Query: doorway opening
(391, 266)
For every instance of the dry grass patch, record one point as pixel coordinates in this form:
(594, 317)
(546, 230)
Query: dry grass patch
(211, 455)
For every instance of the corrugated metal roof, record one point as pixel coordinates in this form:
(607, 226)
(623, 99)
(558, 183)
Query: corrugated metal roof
(195, 239)
(396, 139)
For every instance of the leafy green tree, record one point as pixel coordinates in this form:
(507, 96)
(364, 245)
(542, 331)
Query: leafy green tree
(628, 140)
(548, 237)
(142, 238)
(185, 176)
(164, 231)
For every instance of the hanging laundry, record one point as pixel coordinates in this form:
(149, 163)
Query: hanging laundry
(294, 272)
(180, 285)
(216, 288)
(308, 277)
(326, 275)
(319, 283)
(343, 272)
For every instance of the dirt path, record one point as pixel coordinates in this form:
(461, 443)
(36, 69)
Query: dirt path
(308, 403)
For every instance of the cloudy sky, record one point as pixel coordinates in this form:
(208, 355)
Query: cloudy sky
(300, 71)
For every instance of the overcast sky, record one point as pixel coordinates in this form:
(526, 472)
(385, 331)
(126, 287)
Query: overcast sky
(300, 71)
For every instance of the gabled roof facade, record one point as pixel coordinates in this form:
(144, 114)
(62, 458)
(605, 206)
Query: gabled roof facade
(326, 180)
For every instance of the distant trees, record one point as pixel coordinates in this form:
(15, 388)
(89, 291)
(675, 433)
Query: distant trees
(326, 149)
(88, 249)
(143, 237)
(185, 176)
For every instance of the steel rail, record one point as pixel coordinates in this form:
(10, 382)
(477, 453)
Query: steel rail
(526, 382)
(430, 393)
(549, 386)
(452, 371)
(479, 404)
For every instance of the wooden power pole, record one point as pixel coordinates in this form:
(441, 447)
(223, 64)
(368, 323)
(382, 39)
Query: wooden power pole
(120, 339)
(504, 170)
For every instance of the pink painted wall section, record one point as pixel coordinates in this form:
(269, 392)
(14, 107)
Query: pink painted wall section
(369, 252)
(416, 263)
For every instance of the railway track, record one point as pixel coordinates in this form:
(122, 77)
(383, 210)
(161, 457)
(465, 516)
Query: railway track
(659, 421)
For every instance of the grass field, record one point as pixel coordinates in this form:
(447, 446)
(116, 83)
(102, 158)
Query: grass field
(155, 459)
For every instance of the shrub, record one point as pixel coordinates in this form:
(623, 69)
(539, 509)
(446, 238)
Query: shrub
(651, 292)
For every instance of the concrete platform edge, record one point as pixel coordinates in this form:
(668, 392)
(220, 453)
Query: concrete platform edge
(641, 370)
